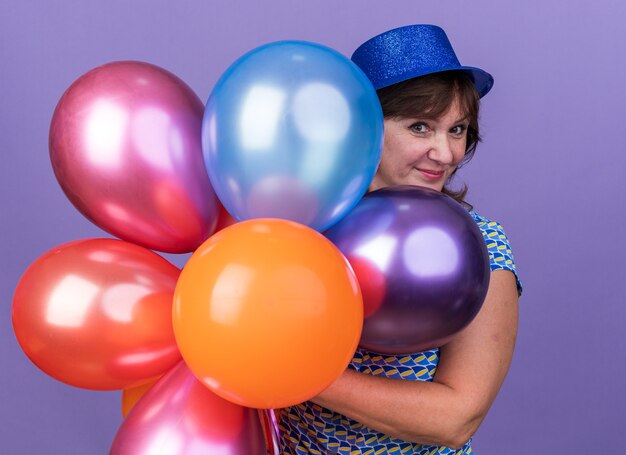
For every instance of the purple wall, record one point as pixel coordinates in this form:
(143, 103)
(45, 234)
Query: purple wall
(550, 169)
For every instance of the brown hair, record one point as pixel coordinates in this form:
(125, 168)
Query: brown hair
(431, 96)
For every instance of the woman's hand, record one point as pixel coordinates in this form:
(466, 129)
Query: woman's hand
(448, 410)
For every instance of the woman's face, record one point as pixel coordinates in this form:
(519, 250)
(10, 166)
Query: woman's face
(420, 151)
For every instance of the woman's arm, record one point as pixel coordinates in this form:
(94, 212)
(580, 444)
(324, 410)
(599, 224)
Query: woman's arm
(448, 410)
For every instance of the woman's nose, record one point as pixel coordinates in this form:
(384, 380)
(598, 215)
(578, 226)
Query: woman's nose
(441, 149)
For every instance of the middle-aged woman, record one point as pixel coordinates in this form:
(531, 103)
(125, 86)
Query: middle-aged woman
(430, 104)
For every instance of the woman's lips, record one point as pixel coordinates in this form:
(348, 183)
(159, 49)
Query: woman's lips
(430, 174)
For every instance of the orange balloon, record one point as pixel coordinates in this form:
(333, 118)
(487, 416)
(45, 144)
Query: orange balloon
(131, 396)
(267, 313)
(97, 314)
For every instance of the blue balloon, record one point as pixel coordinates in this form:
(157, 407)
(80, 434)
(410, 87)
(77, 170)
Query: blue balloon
(292, 130)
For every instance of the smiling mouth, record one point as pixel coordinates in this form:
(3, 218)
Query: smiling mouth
(431, 175)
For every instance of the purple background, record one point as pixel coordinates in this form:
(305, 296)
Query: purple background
(550, 169)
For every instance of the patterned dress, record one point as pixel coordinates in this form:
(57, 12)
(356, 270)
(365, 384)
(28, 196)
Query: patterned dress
(311, 429)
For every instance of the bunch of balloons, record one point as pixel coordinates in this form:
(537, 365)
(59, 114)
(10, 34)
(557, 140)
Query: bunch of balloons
(267, 312)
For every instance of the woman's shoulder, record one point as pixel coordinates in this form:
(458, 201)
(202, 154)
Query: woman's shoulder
(492, 230)
(482, 221)
(498, 245)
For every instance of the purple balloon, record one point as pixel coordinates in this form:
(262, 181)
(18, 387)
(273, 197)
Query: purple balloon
(422, 264)
(180, 416)
(125, 147)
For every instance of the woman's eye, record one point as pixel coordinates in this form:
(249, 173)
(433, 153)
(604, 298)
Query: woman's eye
(419, 127)
(458, 130)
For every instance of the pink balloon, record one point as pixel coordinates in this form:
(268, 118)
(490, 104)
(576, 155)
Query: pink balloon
(97, 314)
(180, 416)
(125, 147)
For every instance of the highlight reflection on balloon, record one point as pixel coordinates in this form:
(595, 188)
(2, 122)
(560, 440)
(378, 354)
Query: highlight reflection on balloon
(125, 147)
(422, 263)
(292, 130)
(267, 313)
(180, 416)
(97, 314)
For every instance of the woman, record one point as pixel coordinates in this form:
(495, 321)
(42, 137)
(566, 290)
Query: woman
(430, 103)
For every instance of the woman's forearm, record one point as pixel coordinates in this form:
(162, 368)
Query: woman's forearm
(422, 412)
(448, 410)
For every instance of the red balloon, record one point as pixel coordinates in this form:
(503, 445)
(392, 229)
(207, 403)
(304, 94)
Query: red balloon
(97, 314)
(224, 219)
(372, 283)
(125, 147)
(180, 416)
